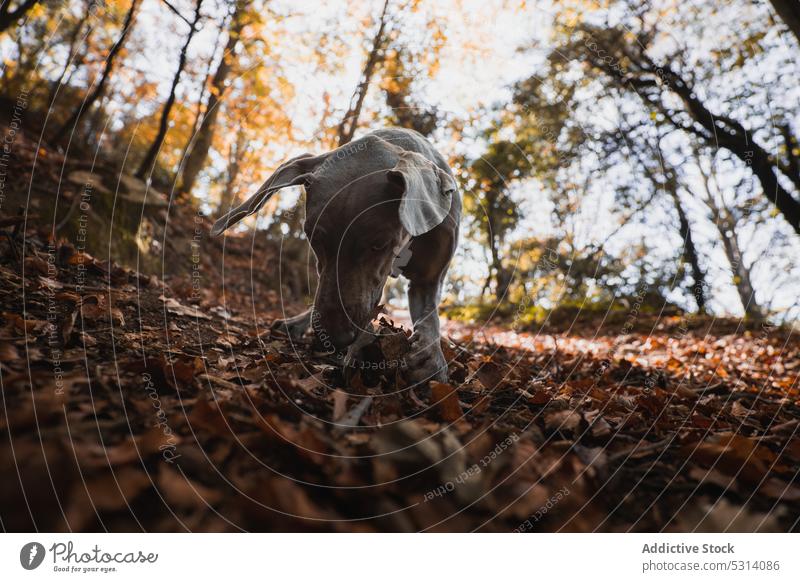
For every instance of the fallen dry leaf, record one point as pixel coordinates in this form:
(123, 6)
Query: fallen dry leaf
(445, 397)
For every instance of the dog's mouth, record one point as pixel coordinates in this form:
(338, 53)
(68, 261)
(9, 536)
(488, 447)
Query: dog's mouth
(332, 338)
(336, 331)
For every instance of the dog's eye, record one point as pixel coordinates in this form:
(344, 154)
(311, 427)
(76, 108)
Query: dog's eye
(380, 246)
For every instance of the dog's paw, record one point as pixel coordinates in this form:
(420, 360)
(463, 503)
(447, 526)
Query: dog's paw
(292, 327)
(426, 361)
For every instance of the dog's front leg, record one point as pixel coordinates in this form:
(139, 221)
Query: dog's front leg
(295, 327)
(426, 360)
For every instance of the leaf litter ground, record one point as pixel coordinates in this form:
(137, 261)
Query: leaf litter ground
(130, 404)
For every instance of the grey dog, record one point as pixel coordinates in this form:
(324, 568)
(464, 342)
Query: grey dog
(366, 203)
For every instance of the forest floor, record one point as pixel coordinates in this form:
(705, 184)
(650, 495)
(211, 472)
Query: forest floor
(131, 404)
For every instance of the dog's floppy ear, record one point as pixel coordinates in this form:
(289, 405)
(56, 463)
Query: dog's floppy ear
(427, 192)
(292, 173)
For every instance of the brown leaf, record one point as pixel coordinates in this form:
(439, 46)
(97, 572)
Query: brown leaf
(181, 372)
(28, 325)
(308, 385)
(227, 340)
(81, 258)
(8, 352)
(96, 308)
(564, 421)
(777, 489)
(445, 397)
(538, 397)
(598, 425)
(490, 375)
(70, 296)
(733, 454)
(207, 415)
(37, 264)
(339, 404)
(176, 307)
(68, 325)
(115, 490)
(142, 446)
(180, 491)
(393, 347)
(110, 491)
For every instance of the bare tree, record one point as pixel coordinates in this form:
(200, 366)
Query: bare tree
(100, 87)
(406, 111)
(8, 17)
(198, 150)
(726, 225)
(149, 160)
(201, 101)
(349, 124)
(71, 52)
(667, 179)
(690, 254)
(229, 191)
(789, 11)
(658, 83)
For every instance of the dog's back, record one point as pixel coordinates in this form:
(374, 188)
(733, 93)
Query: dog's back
(411, 140)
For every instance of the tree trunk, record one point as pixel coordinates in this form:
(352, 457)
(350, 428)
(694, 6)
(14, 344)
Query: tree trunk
(690, 253)
(741, 272)
(496, 269)
(503, 283)
(94, 95)
(8, 17)
(486, 283)
(97, 121)
(718, 130)
(725, 224)
(80, 58)
(349, 124)
(198, 150)
(201, 101)
(146, 167)
(73, 41)
(736, 139)
(29, 54)
(502, 280)
(789, 11)
(229, 198)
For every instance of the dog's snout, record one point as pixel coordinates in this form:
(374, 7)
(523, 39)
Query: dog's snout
(336, 337)
(333, 329)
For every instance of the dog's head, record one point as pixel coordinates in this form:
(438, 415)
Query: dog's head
(364, 200)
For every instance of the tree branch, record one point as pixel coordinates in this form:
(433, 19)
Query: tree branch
(178, 14)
